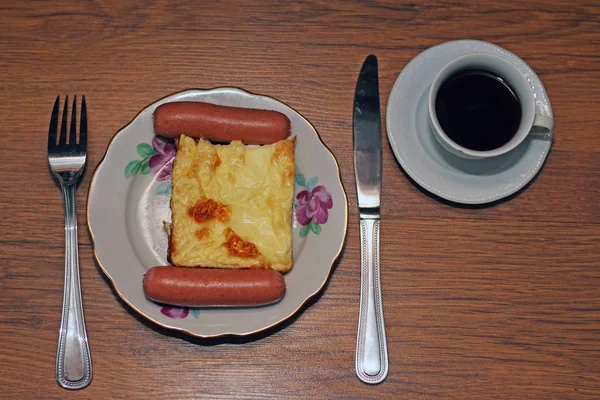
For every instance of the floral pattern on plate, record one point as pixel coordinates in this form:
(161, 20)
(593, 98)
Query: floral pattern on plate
(312, 206)
(156, 158)
(179, 312)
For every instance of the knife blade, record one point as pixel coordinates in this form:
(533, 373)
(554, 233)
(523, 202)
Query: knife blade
(371, 343)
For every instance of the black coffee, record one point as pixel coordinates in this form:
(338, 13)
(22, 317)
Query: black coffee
(478, 110)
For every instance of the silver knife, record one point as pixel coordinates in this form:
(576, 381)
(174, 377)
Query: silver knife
(371, 346)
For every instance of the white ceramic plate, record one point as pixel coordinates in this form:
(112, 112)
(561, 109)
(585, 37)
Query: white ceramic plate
(428, 163)
(129, 199)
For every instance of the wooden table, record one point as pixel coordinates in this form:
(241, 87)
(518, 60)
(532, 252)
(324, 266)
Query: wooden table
(488, 302)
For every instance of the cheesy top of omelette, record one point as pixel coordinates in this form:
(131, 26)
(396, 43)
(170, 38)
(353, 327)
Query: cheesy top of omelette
(231, 205)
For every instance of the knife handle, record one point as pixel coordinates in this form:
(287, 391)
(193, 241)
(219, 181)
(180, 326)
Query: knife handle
(371, 345)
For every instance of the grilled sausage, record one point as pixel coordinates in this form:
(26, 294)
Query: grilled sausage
(220, 123)
(211, 287)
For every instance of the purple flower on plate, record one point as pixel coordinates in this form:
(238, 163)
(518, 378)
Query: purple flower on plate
(313, 206)
(157, 159)
(161, 163)
(175, 312)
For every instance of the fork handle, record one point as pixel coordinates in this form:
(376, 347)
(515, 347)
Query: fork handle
(73, 360)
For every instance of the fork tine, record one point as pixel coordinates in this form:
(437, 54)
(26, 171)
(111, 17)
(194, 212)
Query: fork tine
(83, 124)
(62, 140)
(73, 129)
(53, 124)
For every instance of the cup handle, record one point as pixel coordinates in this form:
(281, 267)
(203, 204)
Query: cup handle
(542, 125)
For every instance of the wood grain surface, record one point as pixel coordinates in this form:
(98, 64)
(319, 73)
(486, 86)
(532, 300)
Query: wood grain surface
(499, 302)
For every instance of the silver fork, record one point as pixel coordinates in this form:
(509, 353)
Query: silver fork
(67, 162)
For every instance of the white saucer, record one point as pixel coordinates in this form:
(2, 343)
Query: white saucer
(428, 163)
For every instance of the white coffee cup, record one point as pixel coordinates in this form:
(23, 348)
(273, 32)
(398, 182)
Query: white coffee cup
(531, 123)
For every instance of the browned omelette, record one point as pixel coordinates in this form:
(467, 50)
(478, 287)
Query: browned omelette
(231, 205)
